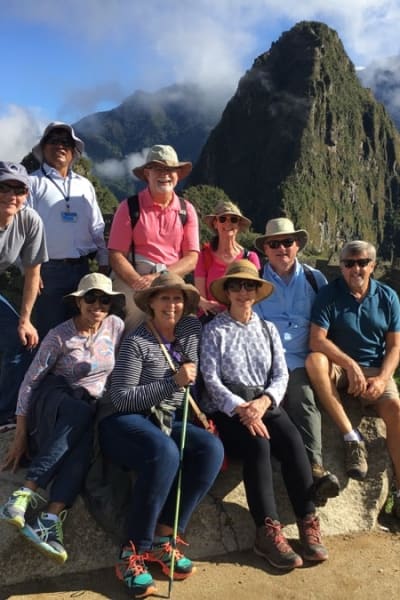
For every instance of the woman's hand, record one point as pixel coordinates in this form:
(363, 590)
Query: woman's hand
(17, 450)
(186, 374)
(209, 306)
(251, 415)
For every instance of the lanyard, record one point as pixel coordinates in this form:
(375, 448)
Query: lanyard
(64, 195)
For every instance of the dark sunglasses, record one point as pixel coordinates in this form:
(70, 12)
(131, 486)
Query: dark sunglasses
(162, 169)
(286, 243)
(349, 263)
(232, 218)
(237, 284)
(18, 190)
(91, 297)
(60, 140)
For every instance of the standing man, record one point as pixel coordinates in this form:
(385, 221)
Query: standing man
(164, 234)
(21, 238)
(355, 339)
(289, 308)
(73, 222)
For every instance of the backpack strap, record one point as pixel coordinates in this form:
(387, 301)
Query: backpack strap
(310, 278)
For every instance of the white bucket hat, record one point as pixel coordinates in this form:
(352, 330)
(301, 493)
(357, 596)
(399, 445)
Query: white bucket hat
(94, 281)
(37, 150)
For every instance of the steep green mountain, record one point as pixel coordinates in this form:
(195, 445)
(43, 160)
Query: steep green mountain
(301, 137)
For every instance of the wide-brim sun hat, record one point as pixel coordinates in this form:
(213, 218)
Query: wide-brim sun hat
(37, 150)
(95, 281)
(279, 227)
(168, 281)
(240, 269)
(227, 208)
(164, 156)
(10, 171)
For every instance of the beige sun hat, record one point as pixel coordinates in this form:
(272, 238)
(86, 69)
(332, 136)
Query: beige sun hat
(240, 269)
(164, 156)
(278, 227)
(37, 150)
(227, 208)
(95, 281)
(166, 281)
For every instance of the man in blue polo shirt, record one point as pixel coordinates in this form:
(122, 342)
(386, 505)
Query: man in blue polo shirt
(355, 343)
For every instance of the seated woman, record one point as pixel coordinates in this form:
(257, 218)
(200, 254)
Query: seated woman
(245, 374)
(214, 258)
(55, 411)
(143, 434)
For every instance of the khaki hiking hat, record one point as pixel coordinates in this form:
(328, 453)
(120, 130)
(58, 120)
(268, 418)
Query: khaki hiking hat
(279, 227)
(166, 281)
(37, 150)
(241, 269)
(94, 281)
(227, 208)
(164, 156)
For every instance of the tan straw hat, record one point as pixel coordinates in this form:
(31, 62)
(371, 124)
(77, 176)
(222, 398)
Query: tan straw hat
(95, 281)
(163, 156)
(278, 227)
(241, 269)
(227, 208)
(167, 281)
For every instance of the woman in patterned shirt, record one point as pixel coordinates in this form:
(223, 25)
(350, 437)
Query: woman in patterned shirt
(55, 411)
(245, 374)
(143, 435)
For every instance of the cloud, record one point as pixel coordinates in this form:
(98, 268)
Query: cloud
(20, 130)
(115, 169)
(87, 100)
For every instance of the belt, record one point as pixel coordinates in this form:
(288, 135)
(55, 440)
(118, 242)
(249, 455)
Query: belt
(70, 261)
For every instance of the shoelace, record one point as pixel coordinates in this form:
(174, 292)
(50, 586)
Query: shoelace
(56, 526)
(135, 562)
(167, 548)
(311, 530)
(274, 530)
(33, 499)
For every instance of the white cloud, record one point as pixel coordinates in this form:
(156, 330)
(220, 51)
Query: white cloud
(114, 169)
(20, 130)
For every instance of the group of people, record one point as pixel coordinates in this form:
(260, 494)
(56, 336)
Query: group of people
(256, 350)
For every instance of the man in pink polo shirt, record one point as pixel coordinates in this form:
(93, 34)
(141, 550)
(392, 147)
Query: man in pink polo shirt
(164, 237)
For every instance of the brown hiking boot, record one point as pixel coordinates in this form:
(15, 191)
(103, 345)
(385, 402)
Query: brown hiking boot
(272, 545)
(356, 459)
(310, 537)
(325, 486)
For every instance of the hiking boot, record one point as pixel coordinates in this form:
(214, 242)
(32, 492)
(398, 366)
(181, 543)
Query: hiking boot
(310, 537)
(47, 536)
(325, 486)
(272, 545)
(132, 570)
(356, 459)
(162, 553)
(13, 511)
(396, 507)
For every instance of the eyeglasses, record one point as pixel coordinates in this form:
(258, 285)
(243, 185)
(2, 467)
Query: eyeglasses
(18, 190)
(286, 243)
(91, 297)
(349, 263)
(161, 169)
(60, 140)
(236, 285)
(232, 218)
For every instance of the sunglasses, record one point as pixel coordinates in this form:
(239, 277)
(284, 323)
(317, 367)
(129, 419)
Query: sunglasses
(286, 243)
(349, 263)
(91, 297)
(161, 169)
(18, 190)
(60, 140)
(237, 285)
(232, 218)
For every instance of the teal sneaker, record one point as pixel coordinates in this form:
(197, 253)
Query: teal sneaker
(13, 511)
(162, 553)
(132, 570)
(47, 536)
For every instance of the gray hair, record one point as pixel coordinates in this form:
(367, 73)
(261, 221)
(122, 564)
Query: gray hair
(358, 247)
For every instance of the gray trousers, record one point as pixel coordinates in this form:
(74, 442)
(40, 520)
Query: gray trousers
(301, 406)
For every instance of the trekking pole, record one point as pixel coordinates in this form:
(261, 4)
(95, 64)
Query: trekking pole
(178, 488)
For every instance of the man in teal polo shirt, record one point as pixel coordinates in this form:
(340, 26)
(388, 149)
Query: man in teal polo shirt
(355, 343)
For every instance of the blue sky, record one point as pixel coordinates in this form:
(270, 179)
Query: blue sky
(64, 59)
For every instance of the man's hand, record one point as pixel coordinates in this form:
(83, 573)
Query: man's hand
(357, 381)
(27, 333)
(144, 281)
(375, 388)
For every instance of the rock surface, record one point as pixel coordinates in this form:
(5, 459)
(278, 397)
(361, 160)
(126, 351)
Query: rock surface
(222, 522)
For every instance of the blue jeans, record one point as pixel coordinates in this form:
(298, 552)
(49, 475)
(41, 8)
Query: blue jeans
(64, 457)
(59, 279)
(15, 360)
(134, 443)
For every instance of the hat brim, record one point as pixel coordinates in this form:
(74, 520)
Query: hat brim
(183, 169)
(301, 236)
(192, 295)
(37, 150)
(220, 294)
(244, 222)
(80, 293)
